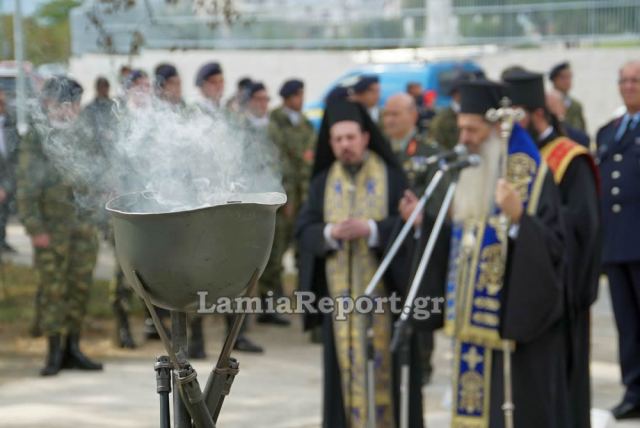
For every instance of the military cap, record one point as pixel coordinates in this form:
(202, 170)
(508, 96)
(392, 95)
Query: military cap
(255, 87)
(206, 71)
(291, 87)
(364, 82)
(133, 77)
(165, 72)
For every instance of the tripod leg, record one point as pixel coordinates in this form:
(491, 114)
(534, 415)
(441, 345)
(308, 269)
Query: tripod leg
(221, 378)
(163, 387)
(165, 416)
(181, 418)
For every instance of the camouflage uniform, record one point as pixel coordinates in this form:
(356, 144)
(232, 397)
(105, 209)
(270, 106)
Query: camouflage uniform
(444, 128)
(574, 116)
(296, 146)
(46, 205)
(101, 118)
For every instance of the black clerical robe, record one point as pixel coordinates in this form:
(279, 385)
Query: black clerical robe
(577, 180)
(313, 253)
(531, 315)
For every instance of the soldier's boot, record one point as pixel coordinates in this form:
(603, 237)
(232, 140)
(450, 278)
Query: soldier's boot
(54, 357)
(124, 337)
(244, 344)
(150, 331)
(272, 317)
(75, 359)
(195, 348)
(275, 319)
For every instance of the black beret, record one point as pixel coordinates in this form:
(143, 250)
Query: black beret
(133, 77)
(255, 87)
(526, 89)
(206, 71)
(244, 83)
(364, 82)
(165, 72)
(62, 89)
(291, 87)
(557, 69)
(477, 97)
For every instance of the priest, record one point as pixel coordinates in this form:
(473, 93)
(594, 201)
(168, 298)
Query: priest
(577, 177)
(347, 222)
(497, 300)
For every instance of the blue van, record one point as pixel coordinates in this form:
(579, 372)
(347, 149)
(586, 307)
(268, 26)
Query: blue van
(434, 76)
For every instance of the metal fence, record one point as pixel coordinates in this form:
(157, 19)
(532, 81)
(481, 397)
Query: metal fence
(349, 24)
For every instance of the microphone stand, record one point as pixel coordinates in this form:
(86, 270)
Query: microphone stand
(375, 280)
(400, 342)
(402, 334)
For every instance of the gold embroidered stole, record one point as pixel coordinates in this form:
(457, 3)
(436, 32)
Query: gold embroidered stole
(474, 287)
(348, 270)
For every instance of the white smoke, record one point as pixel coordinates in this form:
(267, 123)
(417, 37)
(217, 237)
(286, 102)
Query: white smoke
(187, 158)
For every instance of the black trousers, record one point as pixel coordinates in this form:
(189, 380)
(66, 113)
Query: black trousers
(624, 283)
(5, 211)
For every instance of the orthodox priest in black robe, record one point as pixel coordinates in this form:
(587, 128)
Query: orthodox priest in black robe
(505, 283)
(576, 175)
(349, 219)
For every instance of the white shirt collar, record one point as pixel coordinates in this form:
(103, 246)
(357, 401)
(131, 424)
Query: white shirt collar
(295, 117)
(545, 134)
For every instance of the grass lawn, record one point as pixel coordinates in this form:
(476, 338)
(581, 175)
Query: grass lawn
(18, 285)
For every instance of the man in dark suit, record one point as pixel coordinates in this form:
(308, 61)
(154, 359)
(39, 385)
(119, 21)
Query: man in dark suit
(619, 157)
(8, 161)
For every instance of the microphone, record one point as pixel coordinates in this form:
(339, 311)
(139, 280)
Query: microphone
(460, 164)
(421, 162)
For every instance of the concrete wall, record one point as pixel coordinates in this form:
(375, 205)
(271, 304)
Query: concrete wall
(595, 70)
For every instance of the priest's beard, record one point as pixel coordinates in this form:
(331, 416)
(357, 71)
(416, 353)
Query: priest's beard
(474, 197)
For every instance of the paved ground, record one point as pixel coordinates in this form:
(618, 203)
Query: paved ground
(280, 389)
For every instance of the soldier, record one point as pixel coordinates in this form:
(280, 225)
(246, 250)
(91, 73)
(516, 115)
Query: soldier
(444, 126)
(100, 112)
(169, 85)
(618, 154)
(425, 109)
(9, 140)
(65, 242)
(293, 135)
(210, 81)
(410, 146)
(557, 107)
(237, 102)
(366, 91)
(258, 121)
(100, 116)
(561, 77)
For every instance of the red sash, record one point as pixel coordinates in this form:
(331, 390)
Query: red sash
(559, 153)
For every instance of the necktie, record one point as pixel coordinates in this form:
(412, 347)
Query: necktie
(628, 123)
